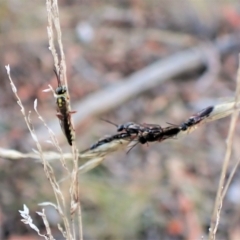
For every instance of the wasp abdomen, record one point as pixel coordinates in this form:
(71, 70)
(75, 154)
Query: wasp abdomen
(67, 128)
(197, 118)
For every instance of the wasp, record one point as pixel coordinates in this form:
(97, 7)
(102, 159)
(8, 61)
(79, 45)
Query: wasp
(155, 133)
(63, 112)
(141, 133)
(150, 133)
(197, 118)
(145, 132)
(134, 128)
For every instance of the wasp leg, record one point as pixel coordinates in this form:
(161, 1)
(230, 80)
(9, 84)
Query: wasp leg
(60, 116)
(72, 112)
(134, 145)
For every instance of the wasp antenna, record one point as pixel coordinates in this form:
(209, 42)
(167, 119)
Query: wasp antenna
(172, 124)
(105, 120)
(58, 77)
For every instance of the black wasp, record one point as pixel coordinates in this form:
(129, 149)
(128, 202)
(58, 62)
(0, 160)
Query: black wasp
(155, 133)
(196, 118)
(63, 112)
(145, 132)
(150, 133)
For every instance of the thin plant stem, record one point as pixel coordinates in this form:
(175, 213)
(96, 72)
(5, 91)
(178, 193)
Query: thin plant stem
(221, 192)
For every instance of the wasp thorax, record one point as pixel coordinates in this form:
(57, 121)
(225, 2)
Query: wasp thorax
(61, 90)
(125, 126)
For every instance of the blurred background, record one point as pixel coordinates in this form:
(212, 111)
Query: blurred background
(160, 191)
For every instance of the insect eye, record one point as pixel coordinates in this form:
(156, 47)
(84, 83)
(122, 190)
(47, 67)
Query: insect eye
(191, 120)
(61, 90)
(120, 128)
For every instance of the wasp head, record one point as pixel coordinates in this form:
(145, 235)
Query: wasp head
(61, 90)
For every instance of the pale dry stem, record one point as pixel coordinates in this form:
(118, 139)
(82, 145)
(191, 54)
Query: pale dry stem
(221, 190)
(54, 26)
(47, 167)
(46, 224)
(16, 155)
(54, 140)
(229, 180)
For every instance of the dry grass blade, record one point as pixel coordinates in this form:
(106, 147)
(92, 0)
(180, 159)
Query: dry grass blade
(230, 178)
(54, 26)
(16, 155)
(54, 140)
(46, 224)
(26, 219)
(47, 167)
(221, 191)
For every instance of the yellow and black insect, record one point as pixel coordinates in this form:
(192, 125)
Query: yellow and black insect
(63, 112)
